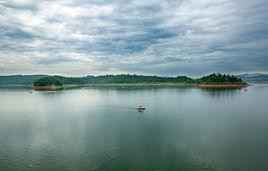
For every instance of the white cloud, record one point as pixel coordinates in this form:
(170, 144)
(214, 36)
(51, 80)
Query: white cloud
(157, 37)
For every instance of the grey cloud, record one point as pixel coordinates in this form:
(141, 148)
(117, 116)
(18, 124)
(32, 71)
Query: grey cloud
(150, 37)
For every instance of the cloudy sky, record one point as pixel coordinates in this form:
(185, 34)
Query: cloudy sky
(173, 37)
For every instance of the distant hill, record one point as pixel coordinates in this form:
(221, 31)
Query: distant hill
(254, 77)
(19, 79)
(120, 79)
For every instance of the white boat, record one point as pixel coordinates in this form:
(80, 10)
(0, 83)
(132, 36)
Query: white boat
(140, 108)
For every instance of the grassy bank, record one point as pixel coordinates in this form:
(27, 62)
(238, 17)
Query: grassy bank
(70, 86)
(52, 87)
(160, 85)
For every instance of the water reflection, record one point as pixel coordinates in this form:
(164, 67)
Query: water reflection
(100, 129)
(222, 92)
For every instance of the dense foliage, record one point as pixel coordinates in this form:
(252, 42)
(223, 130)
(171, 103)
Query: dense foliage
(48, 81)
(113, 79)
(130, 79)
(218, 79)
(123, 78)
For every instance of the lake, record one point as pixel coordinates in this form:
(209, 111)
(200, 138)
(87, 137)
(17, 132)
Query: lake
(101, 129)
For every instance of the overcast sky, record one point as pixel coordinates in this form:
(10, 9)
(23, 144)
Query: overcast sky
(176, 37)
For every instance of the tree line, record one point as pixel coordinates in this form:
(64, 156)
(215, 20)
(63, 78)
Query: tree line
(132, 79)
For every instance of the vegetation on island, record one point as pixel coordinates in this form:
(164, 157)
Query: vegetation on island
(214, 79)
(49, 82)
(219, 79)
(122, 79)
(28, 80)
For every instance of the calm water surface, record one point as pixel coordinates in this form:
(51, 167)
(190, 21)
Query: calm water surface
(100, 129)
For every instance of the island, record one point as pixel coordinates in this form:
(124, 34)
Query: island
(47, 83)
(215, 80)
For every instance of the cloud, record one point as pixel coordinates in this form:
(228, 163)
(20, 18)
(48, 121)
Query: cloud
(78, 37)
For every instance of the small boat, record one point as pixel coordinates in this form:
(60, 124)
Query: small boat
(30, 91)
(140, 108)
(245, 89)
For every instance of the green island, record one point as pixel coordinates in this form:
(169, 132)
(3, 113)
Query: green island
(47, 83)
(215, 80)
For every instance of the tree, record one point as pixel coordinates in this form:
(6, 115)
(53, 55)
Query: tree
(48, 81)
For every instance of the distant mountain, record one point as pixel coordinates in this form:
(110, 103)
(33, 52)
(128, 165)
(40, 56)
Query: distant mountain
(19, 79)
(254, 77)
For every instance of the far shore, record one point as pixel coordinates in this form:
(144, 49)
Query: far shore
(152, 85)
(68, 86)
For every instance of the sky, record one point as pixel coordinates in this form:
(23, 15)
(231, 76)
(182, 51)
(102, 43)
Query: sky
(149, 37)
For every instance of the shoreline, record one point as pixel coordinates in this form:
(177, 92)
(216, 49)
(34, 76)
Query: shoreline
(47, 87)
(154, 85)
(68, 86)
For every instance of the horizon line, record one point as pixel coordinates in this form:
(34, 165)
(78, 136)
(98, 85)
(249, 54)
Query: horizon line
(242, 73)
